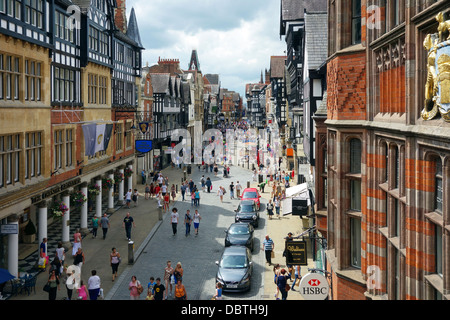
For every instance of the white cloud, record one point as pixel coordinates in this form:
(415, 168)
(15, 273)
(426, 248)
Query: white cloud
(234, 39)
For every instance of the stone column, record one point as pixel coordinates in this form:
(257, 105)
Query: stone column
(42, 218)
(84, 210)
(121, 185)
(13, 247)
(98, 198)
(111, 194)
(66, 220)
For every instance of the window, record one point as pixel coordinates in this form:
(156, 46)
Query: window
(103, 89)
(356, 21)
(9, 77)
(355, 195)
(64, 85)
(119, 137)
(14, 8)
(355, 156)
(69, 148)
(438, 249)
(33, 154)
(9, 159)
(58, 143)
(34, 12)
(397, 168)
(33, 80)
(63, 29)
(128, 135)
(92, 88)
(438, 198)
(355, 242)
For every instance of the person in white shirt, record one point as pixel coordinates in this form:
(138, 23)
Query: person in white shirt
(164, 190)
(174, 220)
(94, 285)
(238, 190)
(128, 198)
(160, 180)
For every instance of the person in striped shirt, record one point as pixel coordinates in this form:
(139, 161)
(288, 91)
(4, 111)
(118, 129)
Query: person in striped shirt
(268, 247)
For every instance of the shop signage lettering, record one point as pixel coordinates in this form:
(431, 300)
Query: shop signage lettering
(55, 190)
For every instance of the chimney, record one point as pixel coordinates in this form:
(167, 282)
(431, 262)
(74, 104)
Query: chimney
(120, 16)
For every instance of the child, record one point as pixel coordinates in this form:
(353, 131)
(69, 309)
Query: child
(218, 294)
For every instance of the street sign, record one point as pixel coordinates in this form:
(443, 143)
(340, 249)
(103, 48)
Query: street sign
(9, 229)
(314, 286)
(295, 252)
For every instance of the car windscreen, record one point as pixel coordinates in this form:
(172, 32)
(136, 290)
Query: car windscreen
(232, 261)
(246, 208)
(249, 195)
(238, 230)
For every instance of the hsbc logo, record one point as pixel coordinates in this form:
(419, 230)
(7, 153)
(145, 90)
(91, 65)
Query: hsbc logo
(314, 286)
(314, 282)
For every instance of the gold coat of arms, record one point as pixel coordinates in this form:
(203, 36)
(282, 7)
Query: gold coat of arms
(437, 88)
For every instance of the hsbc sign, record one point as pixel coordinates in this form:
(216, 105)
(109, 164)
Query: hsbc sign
(314, 286)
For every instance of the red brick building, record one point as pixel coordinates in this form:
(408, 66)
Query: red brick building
(388, 164)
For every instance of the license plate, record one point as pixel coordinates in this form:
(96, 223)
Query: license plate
(232, 286)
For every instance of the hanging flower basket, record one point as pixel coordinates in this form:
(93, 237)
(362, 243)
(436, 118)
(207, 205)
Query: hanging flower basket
(59, 209)
(78, 198)
(118, 177)
(94, 190)
(107, 183)
(128, 172)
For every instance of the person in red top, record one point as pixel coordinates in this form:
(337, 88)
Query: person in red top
(166, 201)
(157, 189)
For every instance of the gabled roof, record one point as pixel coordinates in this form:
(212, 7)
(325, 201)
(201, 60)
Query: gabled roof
(161, 82)
(294, 10)
(212, 78)
(316, 39)
(133, 29)
(277, 66)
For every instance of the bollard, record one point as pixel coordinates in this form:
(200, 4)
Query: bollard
(131, 252)
(248, 184)
(160, 213)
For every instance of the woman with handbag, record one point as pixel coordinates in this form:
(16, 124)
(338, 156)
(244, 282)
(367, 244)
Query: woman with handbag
(282, 284)
(135, 288)
(114, 260)
(180, 291)
(53, 285)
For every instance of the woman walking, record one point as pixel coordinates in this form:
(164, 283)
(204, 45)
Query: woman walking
(220, 193)
(53, 282)
(180, 291)
(208, 184)
(147, 192)
(95, 221)
(76, 242)
(282, 283)
(114, 260)
(82, 291)
(276, 273)
(168, 271)
(135, 288)
(173, 192)
(178, 273)
(166, 202)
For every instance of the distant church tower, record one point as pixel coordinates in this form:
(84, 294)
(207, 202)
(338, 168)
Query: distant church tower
(194, 64)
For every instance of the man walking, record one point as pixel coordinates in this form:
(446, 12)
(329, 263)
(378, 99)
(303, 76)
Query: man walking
(187, 221)
(104, 221)
(231, 190)
(268, 247)
(174, 220)
(183, 190)
(128, 223)
(238, 190)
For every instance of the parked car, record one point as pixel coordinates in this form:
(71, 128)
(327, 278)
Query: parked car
(252, 194)
(240, 234)
(235, 269)
(246, 212)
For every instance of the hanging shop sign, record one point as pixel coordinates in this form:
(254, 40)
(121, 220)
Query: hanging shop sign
(143, 146)
(296, 253)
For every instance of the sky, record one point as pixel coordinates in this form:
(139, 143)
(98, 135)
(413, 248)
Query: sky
(233, 38)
